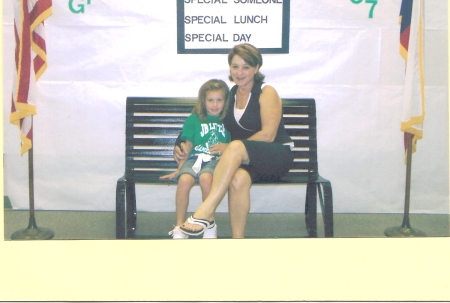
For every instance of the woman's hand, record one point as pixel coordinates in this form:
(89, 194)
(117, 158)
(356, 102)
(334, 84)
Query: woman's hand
(218, 149)
(180, 154)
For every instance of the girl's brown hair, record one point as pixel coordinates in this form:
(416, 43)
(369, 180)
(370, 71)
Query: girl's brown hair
(251, 55)
(211, 85)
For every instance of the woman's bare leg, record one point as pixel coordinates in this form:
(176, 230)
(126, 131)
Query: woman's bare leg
(229, 162)
(239, 202)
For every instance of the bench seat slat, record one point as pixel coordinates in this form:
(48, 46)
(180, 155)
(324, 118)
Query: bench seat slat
(298, 120)
(159, 108)
(159, 141)
(153, 177)
(157, 119)
(152, 153)
(169, 163)
(158, 131)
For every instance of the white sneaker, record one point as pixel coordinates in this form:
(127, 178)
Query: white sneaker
(211, 232)
(176, 233)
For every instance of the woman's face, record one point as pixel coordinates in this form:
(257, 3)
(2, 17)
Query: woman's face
(241, 72)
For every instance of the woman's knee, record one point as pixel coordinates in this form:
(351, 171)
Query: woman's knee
(236, 147)
(236, 144)
(241, 181)
(237, 150)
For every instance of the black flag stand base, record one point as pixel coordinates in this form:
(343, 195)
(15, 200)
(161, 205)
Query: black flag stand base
(405, 230)
(32, 232)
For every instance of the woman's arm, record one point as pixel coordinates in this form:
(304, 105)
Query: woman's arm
(179, 152)
(187, 146)
(271, 111)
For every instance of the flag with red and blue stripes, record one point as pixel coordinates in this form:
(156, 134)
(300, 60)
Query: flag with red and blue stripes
(411, 49)
(405, 26)
(30, 63)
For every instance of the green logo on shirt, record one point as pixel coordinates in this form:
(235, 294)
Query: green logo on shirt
(207, 127)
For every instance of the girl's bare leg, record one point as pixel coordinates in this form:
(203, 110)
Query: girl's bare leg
(205, 181)
(229, 162)
(185, 184)
(239, 202)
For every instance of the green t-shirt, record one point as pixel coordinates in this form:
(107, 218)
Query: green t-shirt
(204, 134)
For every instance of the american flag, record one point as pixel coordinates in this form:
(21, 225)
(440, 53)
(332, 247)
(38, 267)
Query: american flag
(30, 63)
(411, 48)
(405, 26)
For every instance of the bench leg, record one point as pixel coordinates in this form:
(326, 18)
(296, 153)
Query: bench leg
(328, 210)
(120, 209)
(311, 210)
(131, 209)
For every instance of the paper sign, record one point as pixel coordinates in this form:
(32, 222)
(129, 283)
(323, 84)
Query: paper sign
(215, 26)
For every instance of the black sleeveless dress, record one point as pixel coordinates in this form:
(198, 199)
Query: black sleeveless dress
(269, 162)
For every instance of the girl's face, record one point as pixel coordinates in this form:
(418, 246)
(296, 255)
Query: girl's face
(241, 72)
(214, 102)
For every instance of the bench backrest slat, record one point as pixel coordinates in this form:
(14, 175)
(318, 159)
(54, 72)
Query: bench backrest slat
(153, 124)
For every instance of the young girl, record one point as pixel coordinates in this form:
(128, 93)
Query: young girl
(201, 130)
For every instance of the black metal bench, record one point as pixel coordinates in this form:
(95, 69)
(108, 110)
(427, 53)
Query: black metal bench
(152, 126)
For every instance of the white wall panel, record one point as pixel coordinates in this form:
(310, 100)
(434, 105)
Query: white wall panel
(348, 62)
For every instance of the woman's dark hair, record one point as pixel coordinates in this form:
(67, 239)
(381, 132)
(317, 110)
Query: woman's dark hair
(251, 55)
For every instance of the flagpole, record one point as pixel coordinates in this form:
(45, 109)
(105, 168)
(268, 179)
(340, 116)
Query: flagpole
(405, 230)
(32, 232)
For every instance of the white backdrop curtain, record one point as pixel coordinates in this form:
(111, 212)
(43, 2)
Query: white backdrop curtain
(348, 62)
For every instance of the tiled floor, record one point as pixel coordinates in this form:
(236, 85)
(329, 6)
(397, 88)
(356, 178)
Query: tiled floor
(101, 225)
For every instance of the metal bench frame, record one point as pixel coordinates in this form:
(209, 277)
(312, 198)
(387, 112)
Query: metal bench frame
(152, 126)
